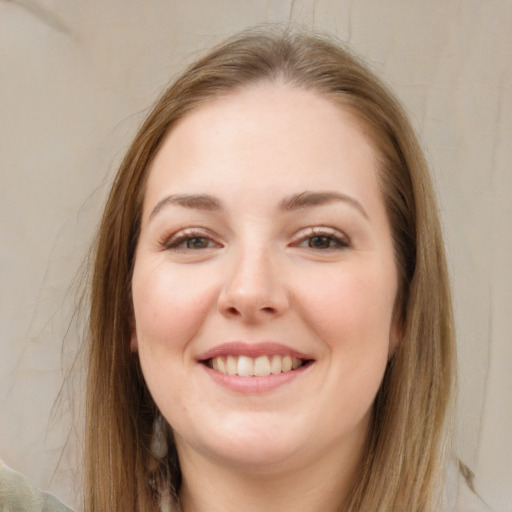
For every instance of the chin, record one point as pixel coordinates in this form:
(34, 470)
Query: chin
(248, 447)
(257, 458)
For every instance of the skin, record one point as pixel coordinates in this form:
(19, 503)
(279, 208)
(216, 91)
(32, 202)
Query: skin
(319, 279)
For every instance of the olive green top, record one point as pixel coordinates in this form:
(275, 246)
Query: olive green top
(18, 494)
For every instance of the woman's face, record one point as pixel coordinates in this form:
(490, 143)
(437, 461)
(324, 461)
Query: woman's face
(265, 280)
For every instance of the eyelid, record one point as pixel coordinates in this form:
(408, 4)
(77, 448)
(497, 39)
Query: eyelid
(173, 241)
(333, 233)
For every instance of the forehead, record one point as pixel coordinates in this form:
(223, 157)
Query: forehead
(271, 135)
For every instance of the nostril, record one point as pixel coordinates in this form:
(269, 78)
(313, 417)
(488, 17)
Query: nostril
(233, 311)
(251, 306)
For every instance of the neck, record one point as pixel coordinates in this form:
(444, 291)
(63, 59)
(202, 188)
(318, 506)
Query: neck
(315, 486)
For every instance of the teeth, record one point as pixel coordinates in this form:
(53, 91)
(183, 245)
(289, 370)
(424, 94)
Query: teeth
(231, 365)
(277, 364)
(261, 366)
(221, 365)
(287, 364)
(245, 366)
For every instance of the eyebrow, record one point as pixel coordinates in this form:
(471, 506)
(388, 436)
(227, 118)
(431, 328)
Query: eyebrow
(303, 200)
(193, 201)
(310, 199)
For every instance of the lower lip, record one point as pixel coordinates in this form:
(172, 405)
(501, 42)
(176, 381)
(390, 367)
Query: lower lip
(255, 385)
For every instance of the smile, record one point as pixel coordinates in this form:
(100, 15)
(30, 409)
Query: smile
(261, 366)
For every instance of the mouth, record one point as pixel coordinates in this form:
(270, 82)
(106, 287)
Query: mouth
(254, 359)
(260, 366)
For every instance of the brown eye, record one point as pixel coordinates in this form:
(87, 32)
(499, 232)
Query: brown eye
(322, 239)
(197, 242)
(321, 242)
(324, 242)
(184, 241)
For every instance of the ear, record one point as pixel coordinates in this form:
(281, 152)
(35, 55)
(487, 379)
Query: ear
(395, 335)
(134, 344)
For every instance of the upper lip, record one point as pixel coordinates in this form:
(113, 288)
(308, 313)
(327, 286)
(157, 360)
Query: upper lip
(241, 348)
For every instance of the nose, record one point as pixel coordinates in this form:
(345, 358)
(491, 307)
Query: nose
(254, 289)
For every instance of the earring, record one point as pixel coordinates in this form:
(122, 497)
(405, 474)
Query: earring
(158, 478)
(158, 445)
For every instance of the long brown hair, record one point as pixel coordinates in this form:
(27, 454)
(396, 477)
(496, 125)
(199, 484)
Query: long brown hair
(403, 463)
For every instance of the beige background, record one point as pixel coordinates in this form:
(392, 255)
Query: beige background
(76, 78)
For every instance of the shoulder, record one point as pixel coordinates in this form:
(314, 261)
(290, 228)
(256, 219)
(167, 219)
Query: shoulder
(458, 495)
(18, 493)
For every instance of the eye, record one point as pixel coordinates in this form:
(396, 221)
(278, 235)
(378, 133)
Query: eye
(320, 239)
(190, 240)
(197, 242)
(322, 242)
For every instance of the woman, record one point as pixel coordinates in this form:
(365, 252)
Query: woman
(271, 324)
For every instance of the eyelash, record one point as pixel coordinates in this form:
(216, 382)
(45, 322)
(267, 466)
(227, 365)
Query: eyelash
(177, 242)
(334, 241)
(339, 241)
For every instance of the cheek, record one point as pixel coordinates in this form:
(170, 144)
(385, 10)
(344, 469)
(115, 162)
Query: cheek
(352, 315)
(352, 307)
(170, 308)
(169, 305)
